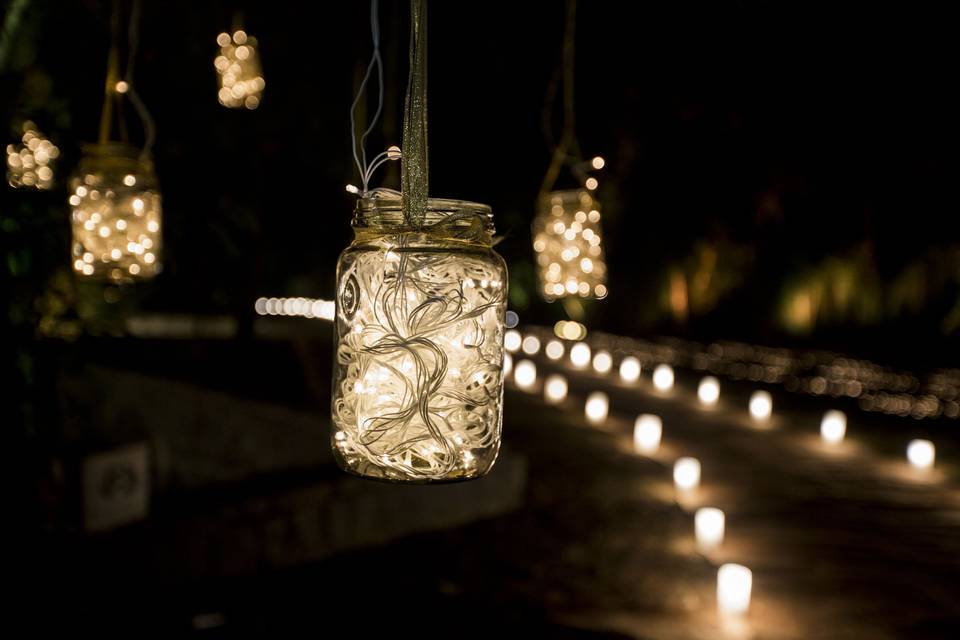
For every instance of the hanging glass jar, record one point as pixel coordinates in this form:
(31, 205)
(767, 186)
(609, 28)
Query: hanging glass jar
(569, 246)
(418, 385)
(116, 215)
(238, 70)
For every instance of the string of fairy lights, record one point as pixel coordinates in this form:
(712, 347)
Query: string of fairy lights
(734, 583)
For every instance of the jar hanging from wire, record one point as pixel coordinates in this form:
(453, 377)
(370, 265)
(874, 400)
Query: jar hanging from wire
(115, 214)
(568, 243)
(418, 372)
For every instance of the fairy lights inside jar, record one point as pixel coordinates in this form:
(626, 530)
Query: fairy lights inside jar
(115, 215)
(30, 164)
(418, 377)
(239, 71)
(567, 239)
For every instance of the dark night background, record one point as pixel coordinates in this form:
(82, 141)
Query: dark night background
(756, 153)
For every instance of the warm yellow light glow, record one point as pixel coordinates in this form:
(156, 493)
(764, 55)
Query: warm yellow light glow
(525, 374)
(921, 454)
(709, 524)
(709, 391)
(115, 214)
(663, 377)
(121, 87)
(591, 184)
(555, 389)
(30, 164)
(239, 72)
(512, 340)
(598, 162)
(554, 350)
(630, 369)
(686, 474)
(761, 406)
(530, 345)
(567, 241)
(597, 407)
(734, 584)
(580, 355)
(302, 307)
(833, 426)
(507, 364)
(647, 431)
(602, 362)
(570, 330)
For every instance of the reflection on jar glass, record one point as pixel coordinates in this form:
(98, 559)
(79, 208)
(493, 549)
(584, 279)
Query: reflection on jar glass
(418, 384)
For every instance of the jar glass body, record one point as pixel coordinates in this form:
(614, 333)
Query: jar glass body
(568, 243)
(417, 384)
(116, 215)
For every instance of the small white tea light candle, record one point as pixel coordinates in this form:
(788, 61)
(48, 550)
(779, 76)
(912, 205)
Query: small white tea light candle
(709, 391)
(512, 340)
(602, 362)
(507, 364)
(630, 369)
(663, 377)
(833, 427)
(761, 406)
(530, 345)
(647, 431)
(554, 350)
(525, 374)
(686, 474)
(597, 407)
(734, 584)
(709, 525)
(580, 355)
(555, 389)
(921, 454)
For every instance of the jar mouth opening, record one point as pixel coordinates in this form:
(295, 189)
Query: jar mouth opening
(118, 156)
(385, 207)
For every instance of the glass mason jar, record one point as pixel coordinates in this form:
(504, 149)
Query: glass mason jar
(116, 214)
(569, 246)
(418, 370)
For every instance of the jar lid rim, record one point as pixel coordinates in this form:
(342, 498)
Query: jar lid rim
(389, 201)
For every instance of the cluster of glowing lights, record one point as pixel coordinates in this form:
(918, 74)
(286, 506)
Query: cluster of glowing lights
(597, 407)
(570, 330)
(709, 524)
(663, 377)
(686, 474)
(30, 163)
(833, 427)
(647, 432)
(239, 71)
(569, 247)
(708, 391)
(302, 307)
(115, 219)
(555, 389)
(630, 369)
(761, 406)
(734, 586)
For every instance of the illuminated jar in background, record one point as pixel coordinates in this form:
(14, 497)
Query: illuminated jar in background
(116, 217)
(418, 371)
(30, 164)
(568, 242)
(239, 72)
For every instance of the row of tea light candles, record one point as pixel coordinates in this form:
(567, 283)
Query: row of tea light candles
(921, 454)
(734, 581)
